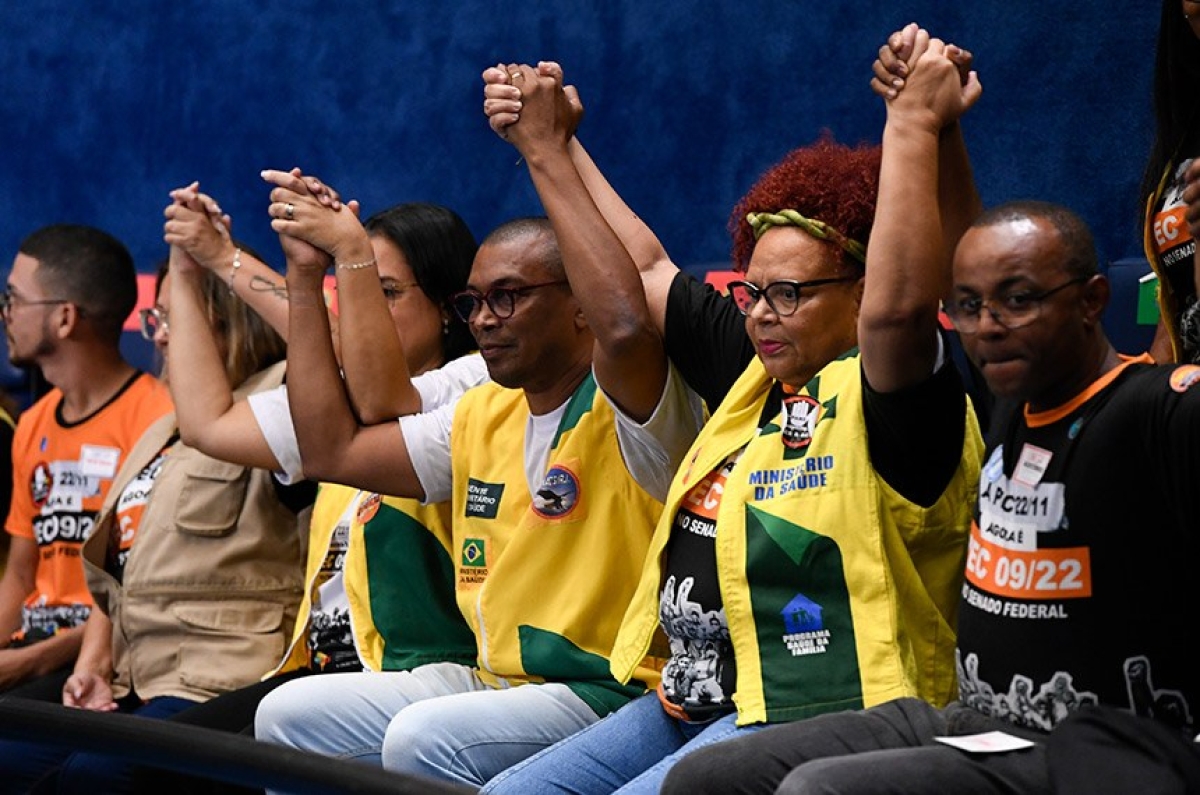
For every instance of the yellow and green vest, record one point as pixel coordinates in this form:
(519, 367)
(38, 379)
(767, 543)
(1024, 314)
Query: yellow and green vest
(399, 581)
(838, 592)
(544, 580)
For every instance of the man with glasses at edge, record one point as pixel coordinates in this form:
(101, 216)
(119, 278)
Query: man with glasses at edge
(66, 299)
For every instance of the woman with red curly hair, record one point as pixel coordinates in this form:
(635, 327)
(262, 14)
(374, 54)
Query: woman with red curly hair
(811, 549)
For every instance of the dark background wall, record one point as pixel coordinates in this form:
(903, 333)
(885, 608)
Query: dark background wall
(108, 105)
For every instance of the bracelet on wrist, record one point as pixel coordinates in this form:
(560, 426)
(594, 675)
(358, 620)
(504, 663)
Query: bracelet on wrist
(355, 266)
(237, 263)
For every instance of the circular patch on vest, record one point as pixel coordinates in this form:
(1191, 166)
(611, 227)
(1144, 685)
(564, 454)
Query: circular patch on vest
(368, 507)
(1183, 377)
(558, 495)
(40, 482)
(800, 414)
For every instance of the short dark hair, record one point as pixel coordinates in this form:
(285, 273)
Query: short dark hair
(439, 248)
(88, 267)
(1072, 230)
(531, 226)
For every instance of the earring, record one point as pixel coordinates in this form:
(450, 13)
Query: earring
(445, 327)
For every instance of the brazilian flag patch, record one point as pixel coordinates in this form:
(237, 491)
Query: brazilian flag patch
(473, 550)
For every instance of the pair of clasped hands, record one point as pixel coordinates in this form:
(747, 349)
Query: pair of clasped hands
(516, 91)
(553, 111)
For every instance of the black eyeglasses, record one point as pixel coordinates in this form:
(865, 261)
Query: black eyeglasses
(501, 300)
(782, 296)
(8, 301)
(152, 320)
(1011, 310)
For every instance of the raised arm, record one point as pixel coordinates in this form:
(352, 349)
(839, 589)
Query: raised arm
(333, 446)
(503, 104)
(200, 228)
(907, 260)
(629, 360)
(210, 420)
(958, 199)
(374, 366)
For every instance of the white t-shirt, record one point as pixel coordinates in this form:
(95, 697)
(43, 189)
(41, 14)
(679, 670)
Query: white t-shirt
(436, 388)
(652, 452)
(427, 439)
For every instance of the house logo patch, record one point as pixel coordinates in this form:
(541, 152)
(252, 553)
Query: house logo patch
(558, 495)
(804, 627)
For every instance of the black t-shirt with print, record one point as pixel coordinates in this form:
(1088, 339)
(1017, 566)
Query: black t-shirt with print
(1081, 561)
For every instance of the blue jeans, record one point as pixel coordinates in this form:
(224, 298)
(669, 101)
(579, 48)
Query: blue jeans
(629, 752)
(24, 764)
(439, 720)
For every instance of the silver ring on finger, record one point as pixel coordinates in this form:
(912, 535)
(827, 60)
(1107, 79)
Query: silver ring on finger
(289, 211)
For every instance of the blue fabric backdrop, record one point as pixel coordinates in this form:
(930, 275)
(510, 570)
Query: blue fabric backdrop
(108, 105)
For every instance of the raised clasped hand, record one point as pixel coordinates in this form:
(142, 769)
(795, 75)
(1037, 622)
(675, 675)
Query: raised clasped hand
(197, 227)
(310, 218)
(513, 91)
(935, 91)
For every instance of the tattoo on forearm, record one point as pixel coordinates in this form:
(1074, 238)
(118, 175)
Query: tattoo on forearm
(260, 285)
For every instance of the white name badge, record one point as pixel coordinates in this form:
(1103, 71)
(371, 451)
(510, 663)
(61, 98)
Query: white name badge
(987, 743)
(98, 462)
(1032, 465)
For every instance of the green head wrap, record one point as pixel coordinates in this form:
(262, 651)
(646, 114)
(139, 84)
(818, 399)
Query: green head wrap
(761, 222)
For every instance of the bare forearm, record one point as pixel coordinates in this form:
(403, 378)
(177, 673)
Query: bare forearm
(316, 396)
(646, 250)
(631, 363)
(639, 239)
(333, 446)
(16, 584)
(10, 614)
(958, 198)
(57, 651)
(196, 374)
(264, 291)
(602, 274)
(374, 364)
(906, 264)
(909, 270)
(95, 648)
